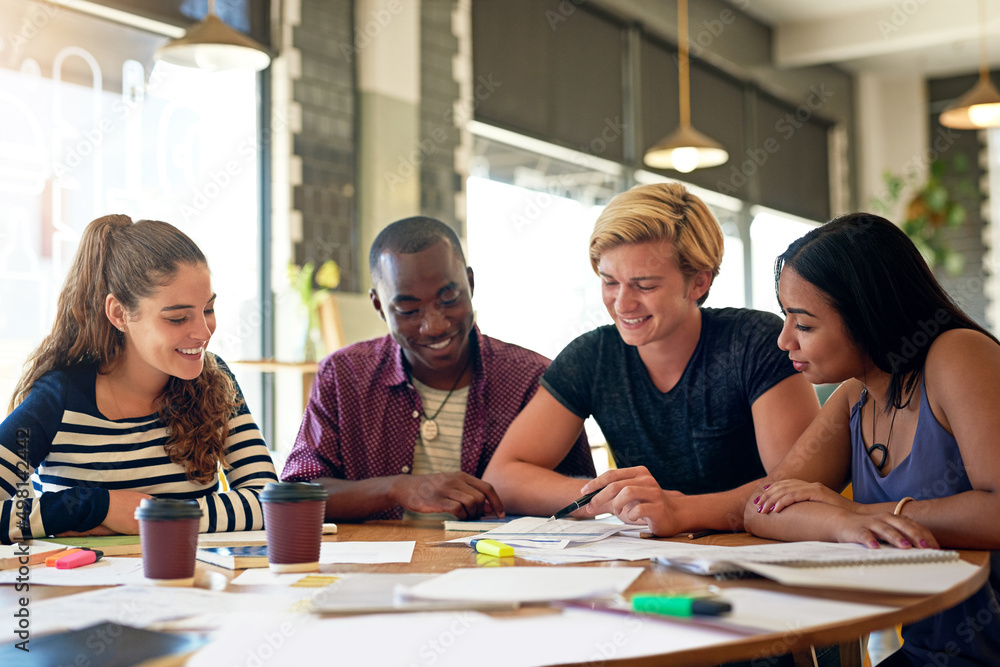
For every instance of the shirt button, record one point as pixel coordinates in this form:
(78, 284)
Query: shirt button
(406, 469)
(415, 414)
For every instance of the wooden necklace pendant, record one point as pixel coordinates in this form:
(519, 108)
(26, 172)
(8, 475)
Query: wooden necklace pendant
(429, 429)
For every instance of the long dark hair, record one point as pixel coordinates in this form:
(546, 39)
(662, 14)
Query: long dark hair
(892, 305)
(131, 261)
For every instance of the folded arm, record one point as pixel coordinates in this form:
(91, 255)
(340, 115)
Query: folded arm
(456, 493)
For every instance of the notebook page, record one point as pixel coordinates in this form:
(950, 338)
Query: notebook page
(802, 554)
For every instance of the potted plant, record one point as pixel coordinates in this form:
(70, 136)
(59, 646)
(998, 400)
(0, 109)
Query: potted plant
(314, 287)
(931, 207)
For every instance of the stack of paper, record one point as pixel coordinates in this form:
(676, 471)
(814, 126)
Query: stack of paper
(539, 533)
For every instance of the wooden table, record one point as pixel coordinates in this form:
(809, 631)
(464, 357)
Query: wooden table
(908, 608)
(426, 558)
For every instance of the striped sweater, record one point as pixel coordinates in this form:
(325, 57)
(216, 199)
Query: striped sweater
(78, 455)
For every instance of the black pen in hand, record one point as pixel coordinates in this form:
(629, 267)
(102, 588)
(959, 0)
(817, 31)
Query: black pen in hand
(575, 505)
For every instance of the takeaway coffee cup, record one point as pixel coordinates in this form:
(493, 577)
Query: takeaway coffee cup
(293, 521)
(168, 530)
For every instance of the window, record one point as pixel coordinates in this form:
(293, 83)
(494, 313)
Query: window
(770, 235)
(88, 128)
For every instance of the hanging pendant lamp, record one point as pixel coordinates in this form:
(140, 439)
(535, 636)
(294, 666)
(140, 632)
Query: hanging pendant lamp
(980, 107)
(685, 149)
(214, 46)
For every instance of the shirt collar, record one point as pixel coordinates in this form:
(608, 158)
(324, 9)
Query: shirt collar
(396, 369)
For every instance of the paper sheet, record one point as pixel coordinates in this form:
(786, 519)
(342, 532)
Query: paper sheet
(712, 559)
(612, 548)
(336, 553)
(111, 571)
(331, 555)
(526, 584)
(907, 578)
(538, 532)
(457, 639)
(138, 606)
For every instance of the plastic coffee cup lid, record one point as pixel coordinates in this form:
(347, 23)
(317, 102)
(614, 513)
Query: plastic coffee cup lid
(167, 508)
(289, 492)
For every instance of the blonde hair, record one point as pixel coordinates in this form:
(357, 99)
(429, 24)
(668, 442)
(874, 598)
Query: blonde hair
(661, 212)
(131, 261)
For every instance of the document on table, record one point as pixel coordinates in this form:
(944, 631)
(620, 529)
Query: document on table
(525, 584)
(458, 639)
(371, 593)
(138, 606)
(113, 571)
(716, 559)
(616, 547)
(906, 578)
(537, 532)
(336, 553)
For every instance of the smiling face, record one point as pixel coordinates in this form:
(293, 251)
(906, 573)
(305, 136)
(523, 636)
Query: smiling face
(646, 294)
(814, 334)
(171, 329)
(426, 299)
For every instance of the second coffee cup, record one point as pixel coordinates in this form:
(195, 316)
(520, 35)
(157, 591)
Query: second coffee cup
(293, 521)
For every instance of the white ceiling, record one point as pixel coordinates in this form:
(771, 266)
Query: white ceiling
(928, 37)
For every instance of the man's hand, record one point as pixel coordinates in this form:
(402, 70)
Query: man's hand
(634, 497)
(457, 493)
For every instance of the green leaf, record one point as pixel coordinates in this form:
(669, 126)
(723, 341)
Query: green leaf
(936, 198)
(956, 215)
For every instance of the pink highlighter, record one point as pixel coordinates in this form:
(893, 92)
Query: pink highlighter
(79, 559)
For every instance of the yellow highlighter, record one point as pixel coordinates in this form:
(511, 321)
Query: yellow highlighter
(492, 548)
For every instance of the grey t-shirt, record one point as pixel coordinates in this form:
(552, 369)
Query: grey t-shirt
(699, 436)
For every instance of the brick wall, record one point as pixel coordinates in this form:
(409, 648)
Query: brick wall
(439, 137)
(327, 143)
(966, 288)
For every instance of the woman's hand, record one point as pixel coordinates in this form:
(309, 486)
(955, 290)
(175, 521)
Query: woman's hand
(776, 496)
(899, 531)
(121, 512)
(633, 496)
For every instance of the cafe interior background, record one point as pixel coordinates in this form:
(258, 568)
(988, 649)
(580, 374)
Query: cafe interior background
(514, 120)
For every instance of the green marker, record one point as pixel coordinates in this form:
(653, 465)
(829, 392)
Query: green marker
(672, 605)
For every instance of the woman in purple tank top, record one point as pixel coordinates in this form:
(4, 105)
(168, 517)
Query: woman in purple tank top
(913, 425)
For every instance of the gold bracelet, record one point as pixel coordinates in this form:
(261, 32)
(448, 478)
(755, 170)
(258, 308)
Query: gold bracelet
(900, 504)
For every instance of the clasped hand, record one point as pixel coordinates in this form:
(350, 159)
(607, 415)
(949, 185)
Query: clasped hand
(634, 496)
(849, 520)
(120, 519)
(457, 493)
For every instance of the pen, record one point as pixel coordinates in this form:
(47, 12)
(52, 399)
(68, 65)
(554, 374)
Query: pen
(492, 547)
(672, 605)
(79, 559)
(575, 505)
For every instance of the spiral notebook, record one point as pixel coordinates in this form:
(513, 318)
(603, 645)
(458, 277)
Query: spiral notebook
(833, 565)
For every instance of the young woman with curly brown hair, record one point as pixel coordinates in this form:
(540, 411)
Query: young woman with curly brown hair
(122, 401)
